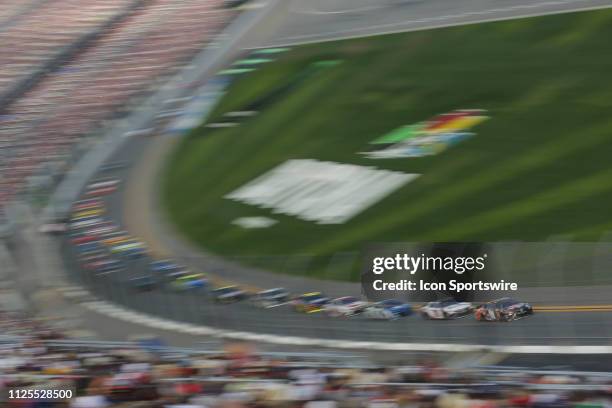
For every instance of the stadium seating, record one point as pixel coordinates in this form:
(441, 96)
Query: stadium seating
(37, 37)
(40, 131)
(146, 373)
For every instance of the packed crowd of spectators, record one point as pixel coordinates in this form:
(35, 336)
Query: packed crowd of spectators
(151, 375)
(12, 8)
(35, 37)
(41, 130)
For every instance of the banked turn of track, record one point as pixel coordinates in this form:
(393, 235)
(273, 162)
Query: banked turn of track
(134, 206)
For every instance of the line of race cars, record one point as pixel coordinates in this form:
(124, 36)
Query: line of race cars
(103, 248)
(504, 309)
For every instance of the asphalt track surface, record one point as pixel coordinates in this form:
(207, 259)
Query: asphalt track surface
(134, 206)
(320, 20)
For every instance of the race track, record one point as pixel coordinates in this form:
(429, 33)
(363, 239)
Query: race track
(571, 327)
(319, 20)
(134, 205)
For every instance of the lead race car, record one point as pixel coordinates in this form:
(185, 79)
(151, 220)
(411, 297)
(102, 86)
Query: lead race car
(503, 310)
(445, 309)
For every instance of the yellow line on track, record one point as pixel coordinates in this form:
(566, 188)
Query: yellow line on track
(573, 309)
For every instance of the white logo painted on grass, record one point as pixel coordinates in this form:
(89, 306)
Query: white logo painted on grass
(323, 192)
(254, 222)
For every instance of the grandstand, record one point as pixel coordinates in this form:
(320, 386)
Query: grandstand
(47, 35)
(72, 74)
(42, 128)
(12, 9)
(146, 373)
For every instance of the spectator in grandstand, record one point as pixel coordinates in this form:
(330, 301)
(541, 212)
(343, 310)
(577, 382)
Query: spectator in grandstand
(104, 377)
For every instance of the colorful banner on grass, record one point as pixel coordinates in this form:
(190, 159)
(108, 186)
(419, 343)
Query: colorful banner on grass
(427, 138)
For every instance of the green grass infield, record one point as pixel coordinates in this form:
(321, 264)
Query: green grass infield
(539, 167)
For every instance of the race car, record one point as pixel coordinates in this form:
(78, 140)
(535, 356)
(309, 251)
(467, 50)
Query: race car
(92, 257)
(86, 205)
(101, 188)
(91, 212)
(171, 278)
(86, 223)
(104, 266)
(88, 248)
(309, 302)
(99, 192)
(389, 309)
(114, 238)
(344, 306)
(163, 266)
(144, 283)
(502, 310)
(167, 271)
(82, 209)
(270, 298)
(103, 183)
(83, 237)
(228, 294)
(189, 281)
(91, 234)
(130, 249)
(445, 309)
(103, 230)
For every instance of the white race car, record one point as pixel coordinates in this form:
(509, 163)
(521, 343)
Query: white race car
(344, 306)
(446, 309)
(270, 298)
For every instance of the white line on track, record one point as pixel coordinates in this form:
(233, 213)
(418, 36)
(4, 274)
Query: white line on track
(127, 315)
(436, 22)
